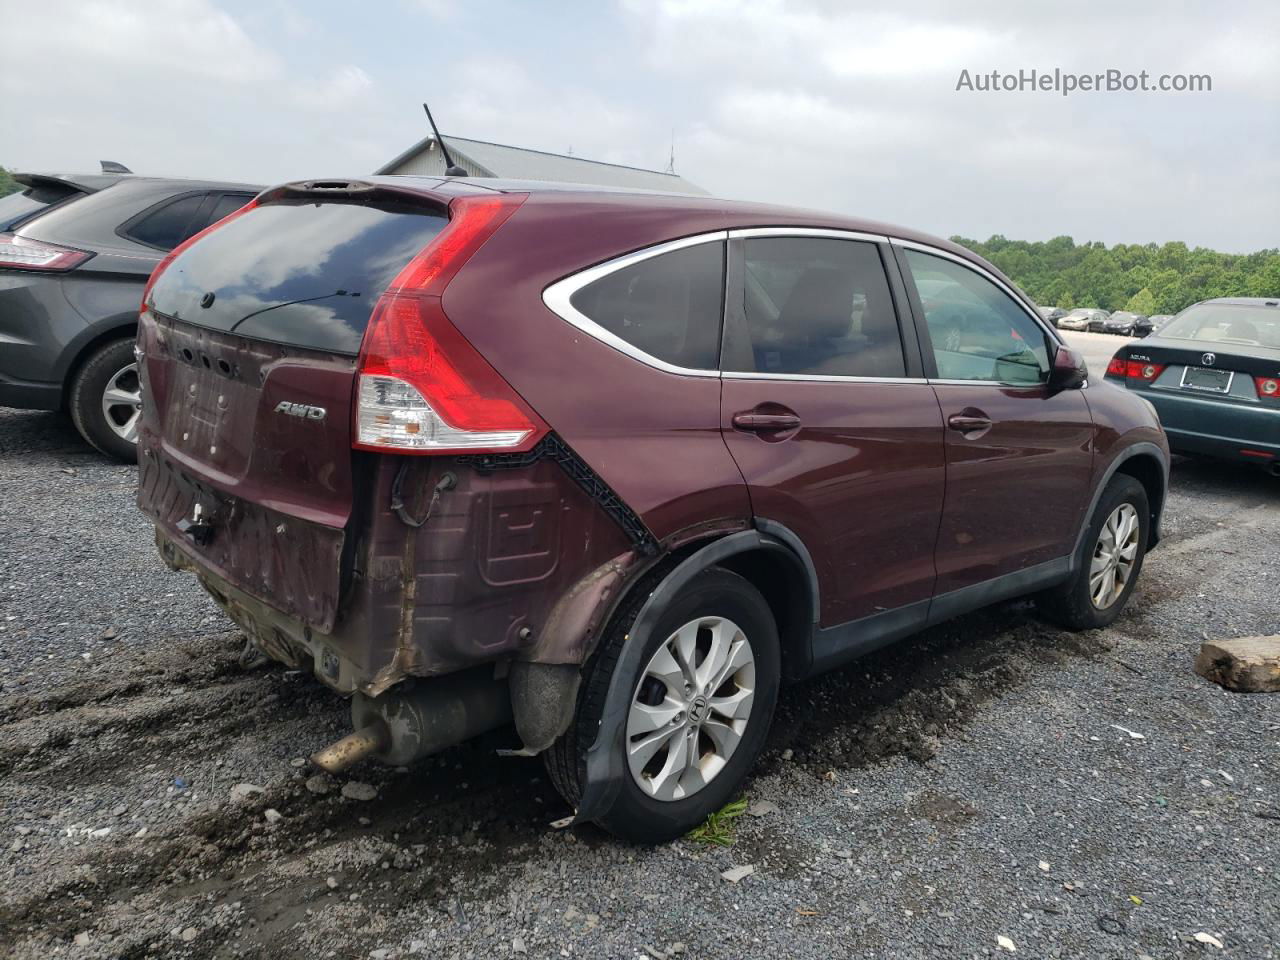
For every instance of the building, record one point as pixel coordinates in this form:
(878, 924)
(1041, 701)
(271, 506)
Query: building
(482, 159)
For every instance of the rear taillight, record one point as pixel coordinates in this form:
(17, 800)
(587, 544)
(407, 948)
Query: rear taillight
(422, 387)
(1116, 368)
(172, 254)
(1268, 388)
(23, 253)
(1141, 370)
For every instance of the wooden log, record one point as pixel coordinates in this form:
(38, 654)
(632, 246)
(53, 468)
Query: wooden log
(1247, 664)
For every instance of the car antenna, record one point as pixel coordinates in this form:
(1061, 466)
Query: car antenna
(110, 166)
(451, 169)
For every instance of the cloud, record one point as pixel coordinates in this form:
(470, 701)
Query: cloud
(178, 88)
(853, 107)
(191, 37)
(846, 106)
(347, 85)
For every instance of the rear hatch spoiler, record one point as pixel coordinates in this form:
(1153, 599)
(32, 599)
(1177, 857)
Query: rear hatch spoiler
(81, 183)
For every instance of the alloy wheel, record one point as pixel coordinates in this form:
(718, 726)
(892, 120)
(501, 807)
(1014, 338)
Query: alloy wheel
(1113, 556)
(690, 708)
(122, 403)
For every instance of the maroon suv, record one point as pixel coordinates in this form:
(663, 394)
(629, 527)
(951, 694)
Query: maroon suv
(613, 465)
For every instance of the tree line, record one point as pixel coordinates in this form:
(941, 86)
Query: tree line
(1145, 278)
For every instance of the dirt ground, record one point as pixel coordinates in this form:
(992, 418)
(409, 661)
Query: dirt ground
(1082, 795)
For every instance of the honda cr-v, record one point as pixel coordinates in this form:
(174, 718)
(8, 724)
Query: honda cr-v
(613, 465)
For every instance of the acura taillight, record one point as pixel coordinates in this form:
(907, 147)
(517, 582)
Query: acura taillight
(1141, 370)
(172, 254)
(1116, 368)
(1268, 387)
(23, 253)
(422, 387)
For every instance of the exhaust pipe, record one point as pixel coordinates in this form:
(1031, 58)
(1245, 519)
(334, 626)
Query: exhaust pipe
(353, 748)
(401, 726)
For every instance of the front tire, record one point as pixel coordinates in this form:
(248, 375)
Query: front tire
(1109, 561)
(104, 400)
(698, 709)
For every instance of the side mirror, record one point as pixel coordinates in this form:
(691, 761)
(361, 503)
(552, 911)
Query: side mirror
(1069, 371)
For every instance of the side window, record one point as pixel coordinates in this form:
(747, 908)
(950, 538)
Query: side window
(817, 307)
(669, 306)
(978, 331)
(224, 204)
(167, 225)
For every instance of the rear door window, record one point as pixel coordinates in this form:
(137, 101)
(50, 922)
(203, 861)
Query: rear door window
(668, 307)
(978, 331)
(300, 273)
(166, 225)
(816, 307)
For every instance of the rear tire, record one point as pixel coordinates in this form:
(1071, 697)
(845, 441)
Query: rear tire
(1104, 575)
(98, 400)
(716, 603)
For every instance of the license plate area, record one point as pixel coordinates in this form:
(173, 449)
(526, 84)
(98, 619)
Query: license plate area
(290, 564)
(1205, 380)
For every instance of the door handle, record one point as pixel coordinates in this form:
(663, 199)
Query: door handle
(765, 422)
(968, 423)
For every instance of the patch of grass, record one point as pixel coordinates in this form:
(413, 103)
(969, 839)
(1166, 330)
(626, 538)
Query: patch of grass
(718, 828)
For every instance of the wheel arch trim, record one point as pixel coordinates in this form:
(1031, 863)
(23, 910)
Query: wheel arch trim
(77, 352)
(1142, 448)
(605, 767)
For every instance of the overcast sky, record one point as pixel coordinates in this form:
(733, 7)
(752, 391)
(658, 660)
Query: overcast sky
(826, 103)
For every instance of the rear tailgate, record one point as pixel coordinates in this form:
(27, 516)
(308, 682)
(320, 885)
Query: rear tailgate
(249, 343)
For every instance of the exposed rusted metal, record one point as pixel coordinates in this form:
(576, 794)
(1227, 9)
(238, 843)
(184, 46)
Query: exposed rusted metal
(368, 740)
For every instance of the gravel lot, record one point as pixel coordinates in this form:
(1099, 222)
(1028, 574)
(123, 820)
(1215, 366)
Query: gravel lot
(1081, 796)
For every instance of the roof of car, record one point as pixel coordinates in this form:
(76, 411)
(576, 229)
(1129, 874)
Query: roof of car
(734, 214)
(1244, 301)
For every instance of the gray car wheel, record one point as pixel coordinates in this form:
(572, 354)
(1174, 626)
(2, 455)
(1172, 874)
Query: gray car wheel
(105, 400)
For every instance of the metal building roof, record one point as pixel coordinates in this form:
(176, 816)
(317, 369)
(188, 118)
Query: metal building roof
(481, 158)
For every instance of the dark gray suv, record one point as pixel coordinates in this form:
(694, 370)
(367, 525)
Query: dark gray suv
(75, 255)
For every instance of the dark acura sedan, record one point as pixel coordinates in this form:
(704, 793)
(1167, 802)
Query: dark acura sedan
(75, 254)
(613, 465)
(1123, 322)
(1213, 373)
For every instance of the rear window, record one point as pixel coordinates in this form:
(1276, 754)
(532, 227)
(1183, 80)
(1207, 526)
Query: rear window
(17, 208)
(301, 273)
(668, 306)
(1227, 323)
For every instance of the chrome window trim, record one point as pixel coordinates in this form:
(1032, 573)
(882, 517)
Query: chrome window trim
(557, 298)
(816, 377)
(747, 233)
(987, 275)
(1006, 384)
